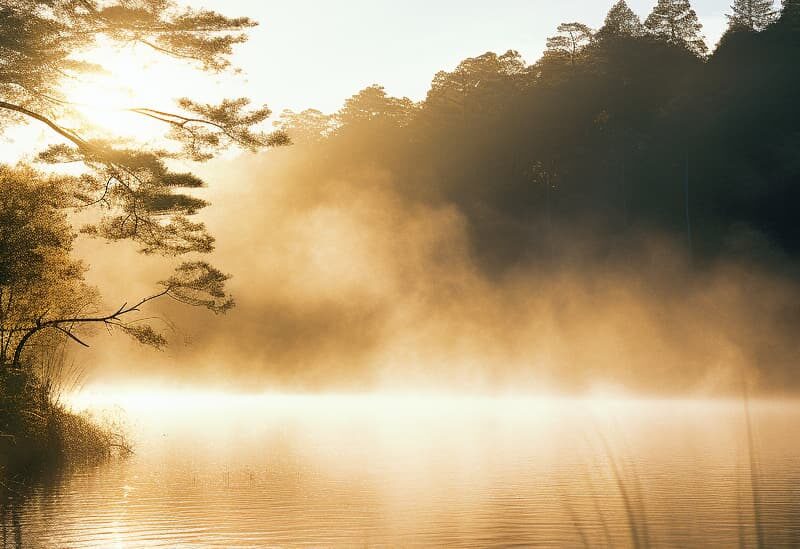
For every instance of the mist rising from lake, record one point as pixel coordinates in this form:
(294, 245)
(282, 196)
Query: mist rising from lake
(215, 470)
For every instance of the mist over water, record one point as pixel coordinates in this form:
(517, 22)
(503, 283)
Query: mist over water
(611, 216)
(553, 303)
(348, 283)
(216, 470)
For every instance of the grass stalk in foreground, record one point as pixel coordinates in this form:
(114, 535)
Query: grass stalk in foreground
(37, 432)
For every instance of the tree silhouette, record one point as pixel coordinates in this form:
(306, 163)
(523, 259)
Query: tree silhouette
(372, 104)
(571, 40)
(753, 15)
(38, 276)
(675, 22)
(549, 158)
(621, 21)
(129, 189)
(306, 127)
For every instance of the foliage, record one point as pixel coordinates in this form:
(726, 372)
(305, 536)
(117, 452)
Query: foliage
(37, 432)
(621, 21)
(127, 191)
(790, 14)
(571, 40)
(372, 104)
(39, 280)
(676, 22)
(752, 15)
(307, 127)
(557, 161)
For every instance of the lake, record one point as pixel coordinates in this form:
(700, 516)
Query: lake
(216, 470)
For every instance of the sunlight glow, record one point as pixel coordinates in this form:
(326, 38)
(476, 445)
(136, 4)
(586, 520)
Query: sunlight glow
(142, 400)
(133, 77)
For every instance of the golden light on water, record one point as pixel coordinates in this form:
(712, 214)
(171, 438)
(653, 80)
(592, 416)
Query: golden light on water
(146, 401)
(436, 468)
(467, 295)
(404, 416)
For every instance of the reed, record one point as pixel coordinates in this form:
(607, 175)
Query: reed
(755, 474)
(628, 497)
(629, 485)
(37, 431)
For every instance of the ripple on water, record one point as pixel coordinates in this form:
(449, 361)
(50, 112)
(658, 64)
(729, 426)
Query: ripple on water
(265, 475)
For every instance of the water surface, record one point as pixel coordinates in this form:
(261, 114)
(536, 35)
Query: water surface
(362, 471)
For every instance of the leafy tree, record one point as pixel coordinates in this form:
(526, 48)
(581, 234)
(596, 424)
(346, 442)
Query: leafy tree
(675, 22)
(474, 74)
(130, 188)
(38, 277)
(369, 118)
(41, 285)
(621, 21)
(306, 127)
(371, 104)
(570, 42)
(753, 15)
(40, 40)
(474, 87)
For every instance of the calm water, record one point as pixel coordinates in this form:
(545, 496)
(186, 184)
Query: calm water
(278, 471)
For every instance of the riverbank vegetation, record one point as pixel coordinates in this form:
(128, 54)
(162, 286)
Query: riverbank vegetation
(38, 432)
(91, 180)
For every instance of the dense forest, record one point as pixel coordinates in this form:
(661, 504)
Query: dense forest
(629, 130)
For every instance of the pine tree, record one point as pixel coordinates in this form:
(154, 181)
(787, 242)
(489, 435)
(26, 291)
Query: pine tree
(569, 43)
(621, 21)
(754, 15)
(676, 22)
(127, 190)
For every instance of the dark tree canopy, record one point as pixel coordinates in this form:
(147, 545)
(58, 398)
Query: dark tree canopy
(372, 104)
(597, 151)
(752, 15)
(610, 137)
(570, 42)
(641, 159)
(676, 22)
(621, 21)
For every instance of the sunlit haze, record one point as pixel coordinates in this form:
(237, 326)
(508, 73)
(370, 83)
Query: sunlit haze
(434, 273)
(310, 54)
(340, 48)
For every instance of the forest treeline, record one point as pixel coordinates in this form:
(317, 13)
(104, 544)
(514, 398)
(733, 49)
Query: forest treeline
(574, 165)
(615, 133)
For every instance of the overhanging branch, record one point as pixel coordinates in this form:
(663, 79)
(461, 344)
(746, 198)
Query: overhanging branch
(60, 130)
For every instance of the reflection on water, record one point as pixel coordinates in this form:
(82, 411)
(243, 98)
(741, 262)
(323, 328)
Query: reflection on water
(215, 471)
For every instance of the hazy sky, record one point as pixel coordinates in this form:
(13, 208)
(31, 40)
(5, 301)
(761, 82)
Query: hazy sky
(316, 53)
